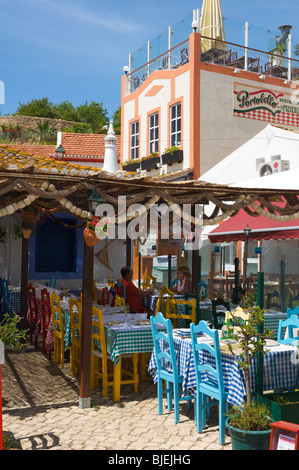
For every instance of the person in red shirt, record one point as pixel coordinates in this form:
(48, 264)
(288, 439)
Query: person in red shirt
(134, 295)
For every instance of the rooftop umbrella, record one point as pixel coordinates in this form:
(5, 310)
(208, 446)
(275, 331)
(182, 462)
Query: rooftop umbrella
(211, 25)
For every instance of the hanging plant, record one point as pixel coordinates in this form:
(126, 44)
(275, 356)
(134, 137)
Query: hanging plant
(30, 214)
(2, 235)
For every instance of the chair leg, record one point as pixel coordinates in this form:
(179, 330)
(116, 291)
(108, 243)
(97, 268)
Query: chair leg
(160, 396)
(176, 402)
(169, 395)
(135, 372)
(221, 422)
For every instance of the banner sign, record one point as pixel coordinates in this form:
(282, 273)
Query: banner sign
(264, 104)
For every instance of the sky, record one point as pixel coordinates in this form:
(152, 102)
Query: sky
(75, 50)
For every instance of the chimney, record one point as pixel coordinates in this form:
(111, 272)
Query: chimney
(110, 160)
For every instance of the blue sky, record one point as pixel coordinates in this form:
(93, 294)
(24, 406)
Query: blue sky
(75, 49)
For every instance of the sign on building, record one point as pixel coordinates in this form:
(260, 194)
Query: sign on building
(264, 104)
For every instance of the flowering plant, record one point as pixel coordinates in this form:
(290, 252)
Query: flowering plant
(91, 224)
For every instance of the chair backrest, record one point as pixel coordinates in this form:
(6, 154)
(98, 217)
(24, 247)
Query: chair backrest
(164, 290)
(98, 340)
(237, 313)
(57, 318)
(118, 289)
(197, 301)
(52, 282)
(294, 311)
(76, 317)
(202, 368)
(165, 358)
(46, 306)
(203, 287)
(173, 283)
(289, 324)
(186, 310)
(120, 302)
(273, 300)
(292, 300)
(148, 281)
(32, 300)
(5, 296)
(218, 315)
(105, 296)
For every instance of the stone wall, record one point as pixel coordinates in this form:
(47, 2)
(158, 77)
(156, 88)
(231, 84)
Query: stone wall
(30, 122)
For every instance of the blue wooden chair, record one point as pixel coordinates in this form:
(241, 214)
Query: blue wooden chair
(5, 296)
(52, 282)
(167, 368)
(289, 323)
(292, 311)
(203, 286)
(209, 379)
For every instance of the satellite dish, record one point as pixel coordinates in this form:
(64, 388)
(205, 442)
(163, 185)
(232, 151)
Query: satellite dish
(266, 170)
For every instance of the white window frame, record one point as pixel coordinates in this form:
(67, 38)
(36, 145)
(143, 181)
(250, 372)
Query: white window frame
(134, 142)
(153, 136)
(176, 124)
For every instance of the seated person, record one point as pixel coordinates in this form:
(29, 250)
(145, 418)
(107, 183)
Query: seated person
(134, 295)
(184, 283)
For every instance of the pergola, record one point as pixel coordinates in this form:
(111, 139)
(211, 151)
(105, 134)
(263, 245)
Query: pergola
(52, 185)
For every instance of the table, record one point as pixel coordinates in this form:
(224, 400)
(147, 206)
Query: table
(127, 338)
(280, 367)
(151, 300)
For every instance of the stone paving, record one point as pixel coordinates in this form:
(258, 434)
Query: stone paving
(41, 412)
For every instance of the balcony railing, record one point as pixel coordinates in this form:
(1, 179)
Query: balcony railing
(226, 54)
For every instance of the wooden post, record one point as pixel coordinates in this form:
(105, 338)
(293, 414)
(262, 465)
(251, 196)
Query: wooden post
(259, 362)
(195, 270)
(24, 282)
(87, 297)
(129, 251)
(169, 271)
(283, 283)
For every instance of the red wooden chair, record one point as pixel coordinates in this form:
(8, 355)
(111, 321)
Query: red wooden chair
(46, 318)
(105, 297)
(33, 312)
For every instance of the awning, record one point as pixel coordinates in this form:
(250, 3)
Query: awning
(261, 227)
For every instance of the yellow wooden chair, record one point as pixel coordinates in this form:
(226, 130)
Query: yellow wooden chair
(75, 315)
(239, 314)
(148, 281)
(120, 302)
(186, 306)
(100, 361)
(58, 329)
(162, 300)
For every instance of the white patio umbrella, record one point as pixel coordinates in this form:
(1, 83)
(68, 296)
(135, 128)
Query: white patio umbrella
(211, 25)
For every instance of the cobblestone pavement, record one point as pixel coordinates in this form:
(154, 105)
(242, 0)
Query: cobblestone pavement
(41, 412)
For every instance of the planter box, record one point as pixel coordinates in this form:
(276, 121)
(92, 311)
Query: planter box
(280, 412)
(131, 166)
(174, 157)
(149, 163)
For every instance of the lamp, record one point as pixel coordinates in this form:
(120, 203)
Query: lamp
(93, 201)
(126, 69)
(59, 152)
(237, 71)
(195, 26)
(247, 231)
(262, 77)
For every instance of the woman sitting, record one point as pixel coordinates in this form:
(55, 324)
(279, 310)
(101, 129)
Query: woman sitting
(184, 283)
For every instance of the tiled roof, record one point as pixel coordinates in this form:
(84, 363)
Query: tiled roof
(78, 147)
(86, 145)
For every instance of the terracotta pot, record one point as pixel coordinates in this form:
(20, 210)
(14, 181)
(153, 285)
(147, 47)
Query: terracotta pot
(90, 237)
(29, 217)
(26, 232)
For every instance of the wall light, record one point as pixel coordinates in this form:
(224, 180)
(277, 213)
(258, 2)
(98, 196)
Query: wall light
(262, 77)
(237, 71)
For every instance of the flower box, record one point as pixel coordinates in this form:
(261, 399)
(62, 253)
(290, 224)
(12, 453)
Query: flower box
(149, 163)
(172, 157)
(131, 166)
(90, 237)
(283, 406)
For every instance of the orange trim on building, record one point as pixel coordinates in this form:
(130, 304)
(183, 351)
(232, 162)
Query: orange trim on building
(194, 54)
(154, 90)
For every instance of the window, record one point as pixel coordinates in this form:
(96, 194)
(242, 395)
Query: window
(175, 124)
(154, 133)
(134, 140)
(55, 247)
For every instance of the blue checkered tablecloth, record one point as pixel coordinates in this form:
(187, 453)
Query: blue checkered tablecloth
(151, 300)
(281, 370)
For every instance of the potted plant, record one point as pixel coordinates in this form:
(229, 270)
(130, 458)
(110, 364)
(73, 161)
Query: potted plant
(149, 163)
(89, 234)
(30, 214)
(131, 165)
(172, 155)
(27, 230)
(249, 428)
